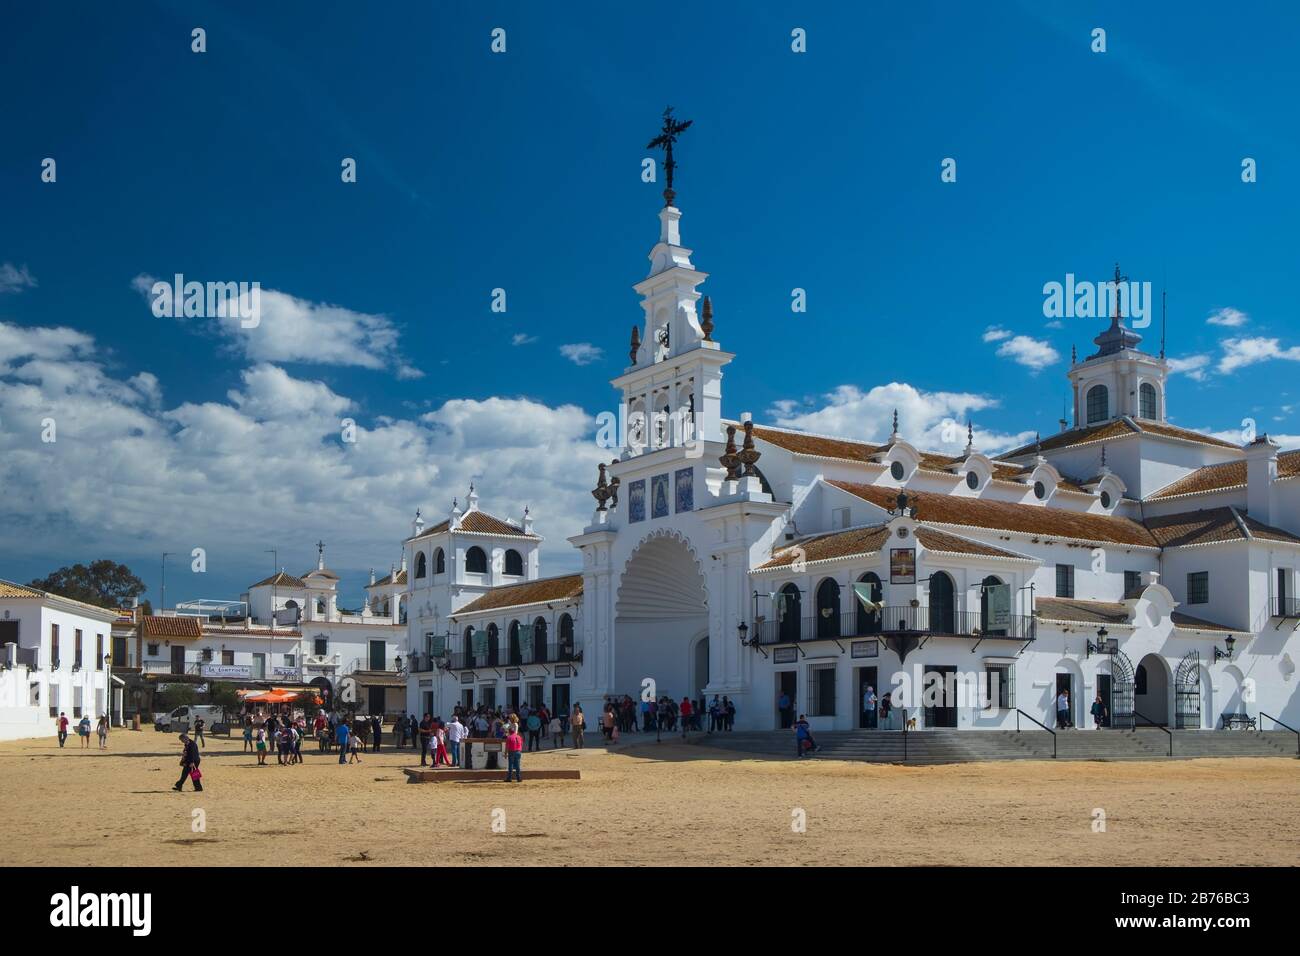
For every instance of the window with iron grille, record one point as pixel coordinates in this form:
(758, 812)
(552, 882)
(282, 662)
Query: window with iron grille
(1000, 685)
(1132, 583)
(205, 655)
(1198, 587)
(1065, 580)
(1147, 401)
(320, 645)
(152, 650)
(821, 690)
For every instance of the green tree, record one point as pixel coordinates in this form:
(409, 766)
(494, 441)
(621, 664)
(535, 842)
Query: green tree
(103, 583)
(173, 696)
(222, 694)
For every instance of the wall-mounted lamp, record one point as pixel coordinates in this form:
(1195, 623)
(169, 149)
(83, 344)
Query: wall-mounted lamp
(743, 630)
(1229, 642)
(1105, 645)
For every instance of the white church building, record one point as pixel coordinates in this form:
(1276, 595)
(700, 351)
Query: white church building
(1122, 557)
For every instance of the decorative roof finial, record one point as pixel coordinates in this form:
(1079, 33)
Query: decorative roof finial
(706, 326)
(970, 436)
(894, 434)
(1103, 456)
(730, 457)
(636, 344)
(1038, 444)
(672, 128)
(748, 453)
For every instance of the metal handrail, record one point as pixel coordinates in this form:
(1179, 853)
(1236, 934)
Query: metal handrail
(1020, 712)
(1168, 732)
(1288, 727)
(892, 620)
(904, 709)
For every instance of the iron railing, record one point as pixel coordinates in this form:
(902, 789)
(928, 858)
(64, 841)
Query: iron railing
(1288, 727)
(1169, 733)
(895, 620)
(518, 657)
(1286, 607)
(1020, 713)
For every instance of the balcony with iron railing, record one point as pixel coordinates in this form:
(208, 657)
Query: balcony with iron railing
(895, 620)
(562, 653)
(1286, 607)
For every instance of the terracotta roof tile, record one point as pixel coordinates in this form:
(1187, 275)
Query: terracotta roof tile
(1230, 474)
(825, 547)
(935, 540)
(1195, 623)
(480, 522)
(390, 578)
(280, 579)
(1085, 612)
(9, 589)
(821, 447)
(172, 628)
(1115, 428)
(562, 588)
(1009, 516)
(1210, 526)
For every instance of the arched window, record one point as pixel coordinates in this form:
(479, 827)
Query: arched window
(439, 562)
(1140, 680)
(566, 637)
(539, 640)
(869, 621)
(1098, 404)
(828, 608)
(493, 652)
(421, 565)
(516, 652)
(943, 609)
(790, 619)
(475, 561)
(1147, 401)
(987, 583)
(514, 563)
(320, 605)
(469, 645)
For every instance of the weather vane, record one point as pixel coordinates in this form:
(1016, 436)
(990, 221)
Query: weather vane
(667, 136)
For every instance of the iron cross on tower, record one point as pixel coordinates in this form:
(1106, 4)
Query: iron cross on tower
(667, 136)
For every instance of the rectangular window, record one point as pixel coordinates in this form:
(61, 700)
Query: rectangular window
(288, 660)
(1065, 580)
(99, 652)
(320, 646)
(228, 658)
(54, 647)
(840, 518)
(821, 690)
(76, 648)
(1132, 583)
(1000, 686)
(1198, 587)
(259, 667)
(152, 650)
(205, 655)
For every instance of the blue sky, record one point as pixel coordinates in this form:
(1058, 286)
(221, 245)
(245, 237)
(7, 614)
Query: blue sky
(521, 171)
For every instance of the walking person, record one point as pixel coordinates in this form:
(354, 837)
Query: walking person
(514, 754)
(102, 730)
(534, 724)
(1063, 708)
(869, 707)
(425, 736)
(83, 731)
(578, 724)
(341, 735)
(455, 734)
(62, 724)
(189, 765)
(198, 733)
(557, 733)
(261, 746)
(1098, 713)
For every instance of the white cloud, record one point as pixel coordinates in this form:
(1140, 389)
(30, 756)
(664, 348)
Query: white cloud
(1054, 324)
(933, 421)
(1232, 318)
(995, 333)
(15, 278)
(130, 476)
(1238, 353)
(522, 338)
(290, 329)
(581, 353)
(1032, 353)
(1195, 367)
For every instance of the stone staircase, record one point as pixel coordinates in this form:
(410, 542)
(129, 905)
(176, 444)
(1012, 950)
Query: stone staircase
(956, 746)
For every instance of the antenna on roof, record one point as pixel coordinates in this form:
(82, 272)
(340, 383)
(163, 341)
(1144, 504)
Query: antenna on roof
(1163, 293)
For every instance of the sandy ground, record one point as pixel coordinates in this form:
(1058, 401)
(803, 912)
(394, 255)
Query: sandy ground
(654, 804)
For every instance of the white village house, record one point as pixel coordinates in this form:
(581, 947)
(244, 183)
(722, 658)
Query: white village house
(1122, 556)
(53, 658)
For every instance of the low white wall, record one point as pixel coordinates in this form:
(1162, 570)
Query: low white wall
(25, 723)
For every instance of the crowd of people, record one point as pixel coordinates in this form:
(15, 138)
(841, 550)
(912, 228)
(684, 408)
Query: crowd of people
(627, 716)
(62, 723)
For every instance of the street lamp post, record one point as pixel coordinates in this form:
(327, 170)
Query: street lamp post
(163, 595)
(270, 639)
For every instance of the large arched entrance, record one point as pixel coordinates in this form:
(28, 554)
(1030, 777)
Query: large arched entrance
(660, 612)
(1151, 691)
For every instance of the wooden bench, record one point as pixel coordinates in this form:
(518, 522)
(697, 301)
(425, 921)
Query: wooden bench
(1236, 722)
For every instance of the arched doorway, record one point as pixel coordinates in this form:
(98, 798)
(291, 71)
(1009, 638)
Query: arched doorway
(791, 614)
(1152, 686)
(539, 640)
(943, 608)
(869, 621)
(989, 582)
(660, 617)
(701, 669)
(828, 608)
